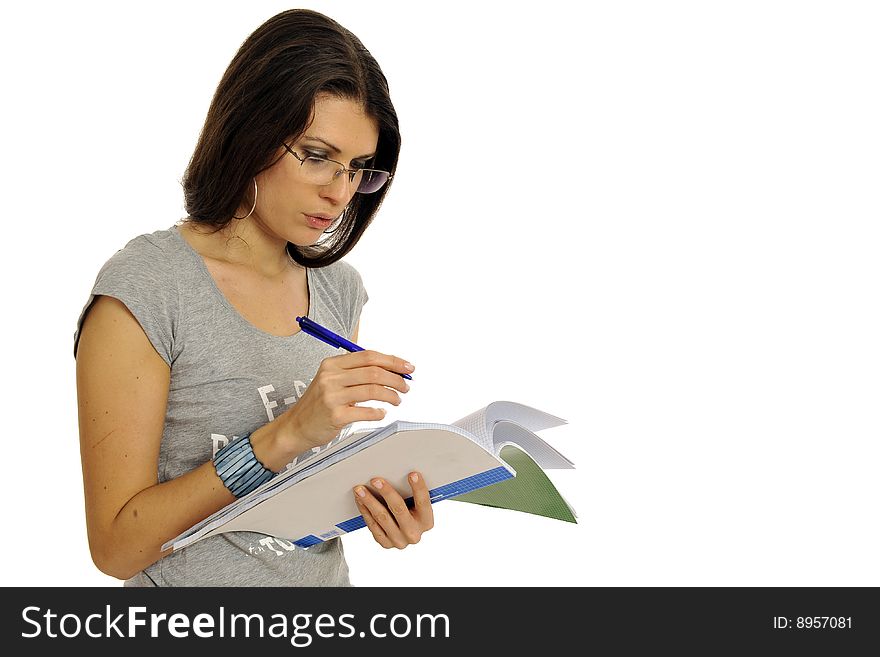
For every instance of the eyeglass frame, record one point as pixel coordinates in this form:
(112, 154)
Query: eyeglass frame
(342, 169)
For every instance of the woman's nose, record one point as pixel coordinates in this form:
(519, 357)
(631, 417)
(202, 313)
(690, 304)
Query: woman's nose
(340, 190)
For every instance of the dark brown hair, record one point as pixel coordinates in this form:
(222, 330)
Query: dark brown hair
(267, 95)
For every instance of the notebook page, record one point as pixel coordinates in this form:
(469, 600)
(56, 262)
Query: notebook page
(475, 424)
(511, 433)
(530, 418)
(462, 431)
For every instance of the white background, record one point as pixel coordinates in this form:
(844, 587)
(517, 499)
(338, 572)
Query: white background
(658, 221)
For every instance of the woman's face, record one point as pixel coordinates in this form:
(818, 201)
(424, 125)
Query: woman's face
(290, 208)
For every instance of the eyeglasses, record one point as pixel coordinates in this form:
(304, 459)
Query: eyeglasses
(321, 171)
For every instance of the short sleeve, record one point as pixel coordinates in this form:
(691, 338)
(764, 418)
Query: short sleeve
(141, 276)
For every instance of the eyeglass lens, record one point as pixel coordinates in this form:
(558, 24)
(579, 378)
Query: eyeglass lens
(323, 172)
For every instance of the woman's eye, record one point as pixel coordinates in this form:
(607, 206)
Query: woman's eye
(316, 161)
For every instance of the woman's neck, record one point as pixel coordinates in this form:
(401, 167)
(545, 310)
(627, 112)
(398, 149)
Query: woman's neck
(243, 243)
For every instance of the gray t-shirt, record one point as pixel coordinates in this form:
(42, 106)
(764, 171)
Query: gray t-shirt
(228, 378)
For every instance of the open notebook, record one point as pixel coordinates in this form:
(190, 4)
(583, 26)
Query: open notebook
(492, 457)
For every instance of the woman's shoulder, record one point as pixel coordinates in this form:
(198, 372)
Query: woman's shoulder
(159, 242)
(340, 270)
(148, 252)
(340, 275)
(144, 276)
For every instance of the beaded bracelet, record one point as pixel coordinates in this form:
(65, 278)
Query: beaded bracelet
(239, 468)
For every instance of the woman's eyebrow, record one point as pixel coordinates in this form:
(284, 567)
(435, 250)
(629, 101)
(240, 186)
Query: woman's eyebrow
(336, 150)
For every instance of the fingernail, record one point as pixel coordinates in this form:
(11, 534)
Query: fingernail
(360, 491)
(407, 387)
(409, 367)
(414, 477)
(377, 483)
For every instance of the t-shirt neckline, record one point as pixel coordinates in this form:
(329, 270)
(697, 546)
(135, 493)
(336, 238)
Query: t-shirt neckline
(200, 263)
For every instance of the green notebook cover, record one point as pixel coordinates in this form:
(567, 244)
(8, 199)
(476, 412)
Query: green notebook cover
(530, 491)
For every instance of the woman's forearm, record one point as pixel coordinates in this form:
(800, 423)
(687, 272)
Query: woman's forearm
(157, 514)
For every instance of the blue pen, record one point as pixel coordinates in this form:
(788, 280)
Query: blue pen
(326, 335)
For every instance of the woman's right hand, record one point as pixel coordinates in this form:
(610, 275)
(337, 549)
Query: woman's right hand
(330, 401)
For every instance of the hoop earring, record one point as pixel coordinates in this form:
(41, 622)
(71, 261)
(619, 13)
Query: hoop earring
(255, 203)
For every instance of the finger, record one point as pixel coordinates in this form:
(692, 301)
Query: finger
(423, 510)
(368, 357)
(361, 494)
(371, 374)
(360, 414)
(384, 518)
(402, 516)
(368, 392)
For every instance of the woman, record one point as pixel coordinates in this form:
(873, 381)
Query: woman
(188, 346)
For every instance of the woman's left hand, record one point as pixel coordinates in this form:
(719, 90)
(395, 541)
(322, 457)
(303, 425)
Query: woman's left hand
(392, 523)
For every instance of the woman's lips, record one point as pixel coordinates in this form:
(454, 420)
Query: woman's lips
(319, 222)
